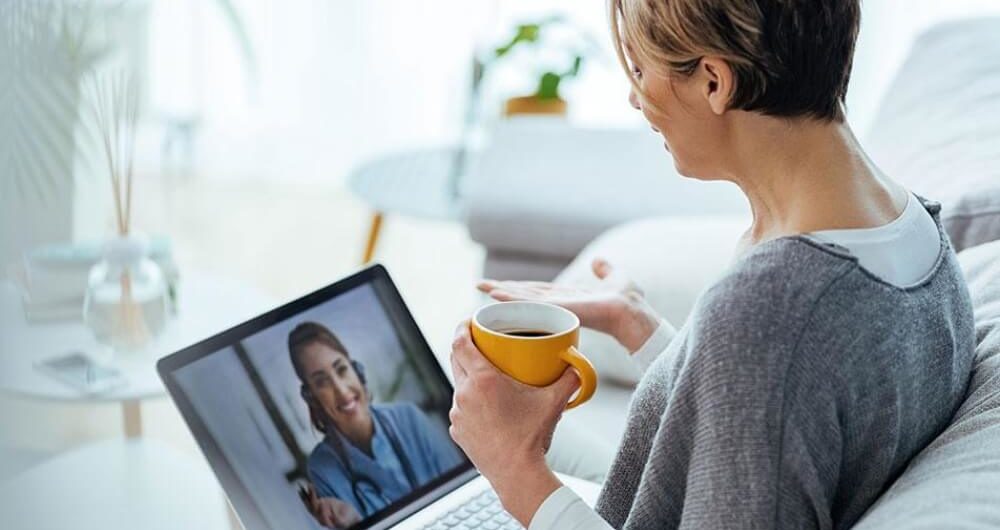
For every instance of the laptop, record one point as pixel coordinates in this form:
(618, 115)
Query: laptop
(331, 411)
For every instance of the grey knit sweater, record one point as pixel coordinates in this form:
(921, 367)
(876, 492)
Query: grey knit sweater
(794, 395)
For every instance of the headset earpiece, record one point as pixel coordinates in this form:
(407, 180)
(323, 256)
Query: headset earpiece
(315, 417)
(360, 370)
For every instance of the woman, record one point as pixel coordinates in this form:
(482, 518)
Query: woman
(372, 455)
(837, 345)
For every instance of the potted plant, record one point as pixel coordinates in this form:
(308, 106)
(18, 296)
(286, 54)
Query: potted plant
(546, 99)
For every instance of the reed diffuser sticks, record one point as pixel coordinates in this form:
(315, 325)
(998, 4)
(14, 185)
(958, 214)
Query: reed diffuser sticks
(115, 108)
(116, 103)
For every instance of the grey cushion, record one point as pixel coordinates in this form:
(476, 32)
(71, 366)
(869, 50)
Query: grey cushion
(938, 129)
(955, 481)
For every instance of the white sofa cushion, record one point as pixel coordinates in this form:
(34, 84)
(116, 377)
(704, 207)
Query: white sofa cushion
(938, 129)
(545, 188)
(955, 481)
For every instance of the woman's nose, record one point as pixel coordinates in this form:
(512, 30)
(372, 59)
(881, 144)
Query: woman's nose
(633, 99)
(340, 389)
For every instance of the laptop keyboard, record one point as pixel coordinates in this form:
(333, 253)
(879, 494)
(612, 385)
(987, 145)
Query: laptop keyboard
(482, 511)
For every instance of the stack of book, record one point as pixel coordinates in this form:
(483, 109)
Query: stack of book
(53, 278)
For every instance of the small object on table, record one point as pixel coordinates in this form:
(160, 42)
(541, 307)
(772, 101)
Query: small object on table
(126, 305)
(209, 304)
(82, 373)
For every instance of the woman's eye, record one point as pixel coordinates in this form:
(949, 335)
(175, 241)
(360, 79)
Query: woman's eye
(341, 370)
(637, 73)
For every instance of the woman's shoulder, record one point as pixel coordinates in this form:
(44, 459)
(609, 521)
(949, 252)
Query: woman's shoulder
(397, 408)
(400, 412)
(757, 311)
(324, 469)
(785, 275)
(747, 327)
(322, 454)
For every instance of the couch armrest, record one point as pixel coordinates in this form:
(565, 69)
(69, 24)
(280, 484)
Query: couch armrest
(545, 188)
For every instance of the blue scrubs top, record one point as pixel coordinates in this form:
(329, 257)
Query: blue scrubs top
(382, 479)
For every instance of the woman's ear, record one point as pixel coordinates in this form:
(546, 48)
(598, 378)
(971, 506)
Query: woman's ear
(718, 83)
(315, 417)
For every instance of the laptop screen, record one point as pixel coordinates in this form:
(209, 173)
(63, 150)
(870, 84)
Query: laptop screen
(330, 412)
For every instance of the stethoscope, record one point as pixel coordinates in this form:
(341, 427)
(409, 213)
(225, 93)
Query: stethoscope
(358, 478)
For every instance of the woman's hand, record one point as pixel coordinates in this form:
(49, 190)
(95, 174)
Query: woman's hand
(505, 426)
(615, 305)
(331, 512)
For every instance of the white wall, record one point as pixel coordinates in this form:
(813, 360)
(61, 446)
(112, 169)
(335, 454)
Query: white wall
(341, 81)
(337, 80)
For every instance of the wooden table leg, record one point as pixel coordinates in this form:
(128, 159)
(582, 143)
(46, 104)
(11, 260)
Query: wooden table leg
(373, 233)
(132, 418)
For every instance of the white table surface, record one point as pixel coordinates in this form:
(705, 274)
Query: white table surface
(208, 304)
(421, 182)
(115, 484)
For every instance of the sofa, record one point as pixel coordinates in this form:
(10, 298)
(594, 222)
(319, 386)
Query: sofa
(540, 192)
(938, 132)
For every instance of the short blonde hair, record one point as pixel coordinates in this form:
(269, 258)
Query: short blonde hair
(789, 57)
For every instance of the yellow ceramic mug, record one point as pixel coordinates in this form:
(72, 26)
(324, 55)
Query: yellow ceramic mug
(534, 342)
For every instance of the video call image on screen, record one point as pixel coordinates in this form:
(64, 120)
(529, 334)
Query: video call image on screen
(328, 417)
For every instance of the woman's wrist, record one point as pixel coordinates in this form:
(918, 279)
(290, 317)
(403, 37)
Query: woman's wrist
(523, 491)
(637, 321)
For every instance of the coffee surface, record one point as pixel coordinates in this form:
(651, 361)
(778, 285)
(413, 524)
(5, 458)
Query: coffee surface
(526, 333)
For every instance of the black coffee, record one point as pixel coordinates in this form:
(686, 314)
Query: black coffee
(527, 333)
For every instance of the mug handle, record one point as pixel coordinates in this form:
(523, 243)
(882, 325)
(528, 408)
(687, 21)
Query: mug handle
(585, 370)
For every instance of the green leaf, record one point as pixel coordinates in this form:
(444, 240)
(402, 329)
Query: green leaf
(548, 86)
(576, 67)
(525, 33)
(528, 33)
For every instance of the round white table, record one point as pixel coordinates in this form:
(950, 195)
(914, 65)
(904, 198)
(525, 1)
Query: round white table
(208, 304)
(420, 183)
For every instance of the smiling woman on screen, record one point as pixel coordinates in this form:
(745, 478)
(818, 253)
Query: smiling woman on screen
(372, 454)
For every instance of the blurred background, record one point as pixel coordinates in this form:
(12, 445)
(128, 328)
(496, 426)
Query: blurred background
(281, 145)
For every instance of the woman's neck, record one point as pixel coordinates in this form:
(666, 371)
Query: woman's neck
(801, 176)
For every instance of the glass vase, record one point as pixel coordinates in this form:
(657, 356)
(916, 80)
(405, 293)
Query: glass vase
(126, 305)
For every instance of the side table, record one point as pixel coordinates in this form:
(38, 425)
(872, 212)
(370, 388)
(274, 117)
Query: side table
(207, 304)
(420, 183)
